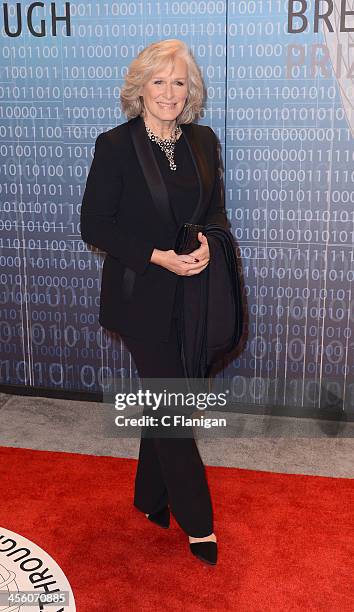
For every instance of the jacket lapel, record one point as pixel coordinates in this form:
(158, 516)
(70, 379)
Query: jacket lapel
(200, 164)
(151, 171)
(152, 174)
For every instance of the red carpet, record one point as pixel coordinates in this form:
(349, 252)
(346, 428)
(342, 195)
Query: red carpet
(286, 542)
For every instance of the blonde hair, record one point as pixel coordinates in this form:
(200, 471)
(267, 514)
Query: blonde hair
(158, 55)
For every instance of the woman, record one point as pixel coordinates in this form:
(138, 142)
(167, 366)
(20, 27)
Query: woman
(149, 175)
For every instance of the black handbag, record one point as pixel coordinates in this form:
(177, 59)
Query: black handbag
(187, 238)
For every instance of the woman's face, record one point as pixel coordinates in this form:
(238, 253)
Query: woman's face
(165, 93)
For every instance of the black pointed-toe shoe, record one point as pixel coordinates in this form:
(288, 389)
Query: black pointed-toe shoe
(161, 518)
(205, 551)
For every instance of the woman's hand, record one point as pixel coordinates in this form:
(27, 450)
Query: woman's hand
(184, 265)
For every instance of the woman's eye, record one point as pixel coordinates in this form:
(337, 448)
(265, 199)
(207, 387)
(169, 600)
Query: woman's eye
(178, 82)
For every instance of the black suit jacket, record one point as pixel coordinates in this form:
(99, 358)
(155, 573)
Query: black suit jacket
(126, 213)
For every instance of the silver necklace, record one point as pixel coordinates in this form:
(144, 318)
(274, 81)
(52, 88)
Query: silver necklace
(167, 145)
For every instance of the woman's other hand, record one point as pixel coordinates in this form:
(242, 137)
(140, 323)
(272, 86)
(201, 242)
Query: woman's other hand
(184, 265)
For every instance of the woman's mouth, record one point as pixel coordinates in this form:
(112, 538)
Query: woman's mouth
(166, 105)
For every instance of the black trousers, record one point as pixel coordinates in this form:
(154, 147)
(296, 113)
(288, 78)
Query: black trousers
(170, 470)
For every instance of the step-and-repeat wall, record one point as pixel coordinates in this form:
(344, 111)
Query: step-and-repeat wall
(279, 80)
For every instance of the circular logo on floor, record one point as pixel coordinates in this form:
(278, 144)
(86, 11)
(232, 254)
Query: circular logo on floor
(30, 579)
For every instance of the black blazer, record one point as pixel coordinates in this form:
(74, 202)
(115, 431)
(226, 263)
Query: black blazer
(126, 213)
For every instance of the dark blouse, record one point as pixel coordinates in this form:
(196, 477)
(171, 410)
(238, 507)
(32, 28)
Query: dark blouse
(182, 184)
(183, 192)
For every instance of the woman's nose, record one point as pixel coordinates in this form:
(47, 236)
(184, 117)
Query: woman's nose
(168, 90)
